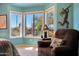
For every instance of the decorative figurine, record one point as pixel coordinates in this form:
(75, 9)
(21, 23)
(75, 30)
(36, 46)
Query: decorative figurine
(64, 13)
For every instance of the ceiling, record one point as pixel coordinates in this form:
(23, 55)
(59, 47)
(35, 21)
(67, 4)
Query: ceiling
(26, 5)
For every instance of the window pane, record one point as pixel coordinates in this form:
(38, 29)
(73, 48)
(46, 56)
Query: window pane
(50, 20)
(38, 21)
(34, 24)
(28, 24)
(15, 24)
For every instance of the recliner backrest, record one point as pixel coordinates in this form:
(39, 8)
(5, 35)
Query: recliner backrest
(60, 33)
(71, 38)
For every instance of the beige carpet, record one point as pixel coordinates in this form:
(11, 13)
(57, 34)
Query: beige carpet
(27, 50)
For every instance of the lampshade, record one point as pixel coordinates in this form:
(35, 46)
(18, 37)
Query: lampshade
(45, 27)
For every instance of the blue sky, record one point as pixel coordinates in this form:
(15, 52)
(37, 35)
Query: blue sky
(29, 19)
(14, 19)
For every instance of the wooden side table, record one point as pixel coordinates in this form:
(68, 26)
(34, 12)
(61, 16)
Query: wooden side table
(44, 43)
(44, 47)
(44, 51)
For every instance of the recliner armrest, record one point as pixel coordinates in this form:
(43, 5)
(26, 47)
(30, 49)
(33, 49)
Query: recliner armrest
(64, 51)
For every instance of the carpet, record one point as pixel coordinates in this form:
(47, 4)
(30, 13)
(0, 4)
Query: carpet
(28, 51)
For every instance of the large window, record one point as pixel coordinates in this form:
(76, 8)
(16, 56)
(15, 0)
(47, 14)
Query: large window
(34, 24)
(15, 24)
(30, 24)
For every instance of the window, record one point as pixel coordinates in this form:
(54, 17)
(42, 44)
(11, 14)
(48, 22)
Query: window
(50, 18)
(15, 24)
(28, 24)
(34, 24)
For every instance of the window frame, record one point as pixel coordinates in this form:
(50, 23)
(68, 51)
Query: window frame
(20, 14)
(34, 12)
(22, 20)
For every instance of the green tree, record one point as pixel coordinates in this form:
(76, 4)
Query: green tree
(39, 24)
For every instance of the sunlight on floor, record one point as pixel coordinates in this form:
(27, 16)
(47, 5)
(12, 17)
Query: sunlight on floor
(28, 51)
(36, 49)
(31, 48)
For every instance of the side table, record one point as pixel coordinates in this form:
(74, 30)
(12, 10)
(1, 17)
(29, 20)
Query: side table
(44, 48)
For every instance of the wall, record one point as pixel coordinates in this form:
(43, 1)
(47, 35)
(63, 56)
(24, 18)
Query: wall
(76, 16)
(70, 18)
(4, 11)
(36, 8)
(32, 9)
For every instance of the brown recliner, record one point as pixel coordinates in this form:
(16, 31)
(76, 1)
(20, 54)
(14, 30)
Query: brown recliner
(69, 46)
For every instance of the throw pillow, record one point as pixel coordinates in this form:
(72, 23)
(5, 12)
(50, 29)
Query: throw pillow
(55, 42)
